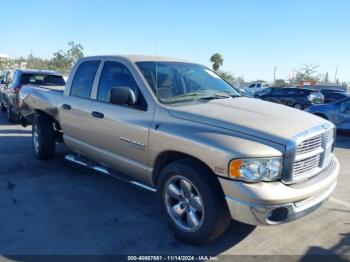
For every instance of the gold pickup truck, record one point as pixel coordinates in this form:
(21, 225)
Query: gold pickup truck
(178, 129)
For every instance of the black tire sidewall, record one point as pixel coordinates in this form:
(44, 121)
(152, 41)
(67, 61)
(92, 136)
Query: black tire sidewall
(3, 108)
(215, 209)
(300, 106)
(46, 137)
(10, 117)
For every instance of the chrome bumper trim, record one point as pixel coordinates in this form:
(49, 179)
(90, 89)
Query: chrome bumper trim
(260, 214)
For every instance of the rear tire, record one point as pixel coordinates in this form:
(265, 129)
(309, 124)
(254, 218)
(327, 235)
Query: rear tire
(3, 108)
(43, 135)
(211, 216)
(11, 118)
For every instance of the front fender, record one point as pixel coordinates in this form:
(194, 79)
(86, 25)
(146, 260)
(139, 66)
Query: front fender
(214, 146)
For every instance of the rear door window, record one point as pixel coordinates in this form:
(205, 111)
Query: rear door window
(280, 92)
(84, 79)
(336, 96)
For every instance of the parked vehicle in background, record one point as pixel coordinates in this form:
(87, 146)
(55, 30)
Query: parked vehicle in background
(4, 80)
(338, 113)
(266, 91)
(298, 98)
(9, 97)
(255, 87)
(244, 92)
(177, 128)
(333, 95)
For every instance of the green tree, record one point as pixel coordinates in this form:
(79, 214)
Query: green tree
(59, 62)
(230, 78)
(37, 63)
(75, 52)
(63, 61)
(217, 61)
(308, 73)
(227, 76)
(280, 83)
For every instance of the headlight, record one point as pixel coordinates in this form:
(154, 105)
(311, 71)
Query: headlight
(256, 170)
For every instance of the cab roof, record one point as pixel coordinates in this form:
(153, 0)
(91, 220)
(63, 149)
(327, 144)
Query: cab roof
(140, 58)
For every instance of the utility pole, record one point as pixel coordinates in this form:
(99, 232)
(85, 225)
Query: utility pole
(274, 75)
(336, 74)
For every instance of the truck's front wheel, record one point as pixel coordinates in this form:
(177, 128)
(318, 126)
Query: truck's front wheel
(192, 202)
(43, 134)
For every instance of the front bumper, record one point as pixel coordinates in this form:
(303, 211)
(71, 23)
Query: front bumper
(276, 203)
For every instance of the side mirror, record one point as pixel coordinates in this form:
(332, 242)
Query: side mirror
(122, 95)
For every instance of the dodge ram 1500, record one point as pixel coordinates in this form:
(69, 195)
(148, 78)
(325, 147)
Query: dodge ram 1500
(178, 129)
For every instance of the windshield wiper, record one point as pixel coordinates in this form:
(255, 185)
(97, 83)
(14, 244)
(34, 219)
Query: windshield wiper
(214, 96)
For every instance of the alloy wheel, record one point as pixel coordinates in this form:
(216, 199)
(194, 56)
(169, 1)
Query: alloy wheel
(184, 203)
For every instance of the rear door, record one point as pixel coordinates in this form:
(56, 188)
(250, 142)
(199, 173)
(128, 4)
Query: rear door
(121, 132)
(75, 112)
(275, 96)
(342, 117)
(290, 97)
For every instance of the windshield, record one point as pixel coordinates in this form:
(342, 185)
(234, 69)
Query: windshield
(174, 82)
(42, 79)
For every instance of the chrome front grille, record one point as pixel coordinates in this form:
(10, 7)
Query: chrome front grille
(309, 145)
(303, 166)
(309, 153)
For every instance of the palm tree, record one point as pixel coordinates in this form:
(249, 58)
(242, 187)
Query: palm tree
(217, 61)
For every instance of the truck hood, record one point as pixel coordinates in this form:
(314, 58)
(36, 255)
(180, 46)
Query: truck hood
(255, 117)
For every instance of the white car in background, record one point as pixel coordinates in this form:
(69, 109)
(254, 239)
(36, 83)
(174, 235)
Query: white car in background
(255, 87)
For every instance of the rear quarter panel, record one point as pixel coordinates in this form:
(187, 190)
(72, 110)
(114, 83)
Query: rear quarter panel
(32, 98)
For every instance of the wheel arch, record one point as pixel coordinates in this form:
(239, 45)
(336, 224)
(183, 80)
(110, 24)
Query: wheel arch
(165, 158)
(54, 121)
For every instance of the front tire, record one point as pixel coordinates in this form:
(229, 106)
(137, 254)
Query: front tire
(192, 201)
(298, 106)
(43, 135)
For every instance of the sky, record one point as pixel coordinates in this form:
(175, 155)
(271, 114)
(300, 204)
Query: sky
(253, 36)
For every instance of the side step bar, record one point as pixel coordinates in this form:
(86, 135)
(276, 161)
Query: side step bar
(107, 171)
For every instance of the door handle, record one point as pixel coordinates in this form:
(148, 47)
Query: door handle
(97, 114)
(66, 107)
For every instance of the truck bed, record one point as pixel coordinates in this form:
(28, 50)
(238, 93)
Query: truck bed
(41, 98)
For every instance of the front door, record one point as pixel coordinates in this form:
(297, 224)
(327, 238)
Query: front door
(121, 132)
